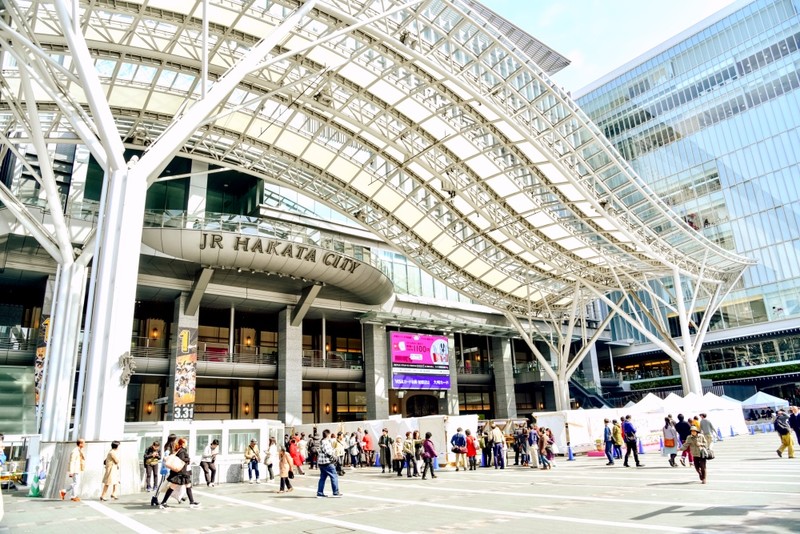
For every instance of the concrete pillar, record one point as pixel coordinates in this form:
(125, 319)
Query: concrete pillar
(591, 369)
(505, 399)
(246, 408)
(149, 394)
(290, 369)
(377, 371)
(181, 321)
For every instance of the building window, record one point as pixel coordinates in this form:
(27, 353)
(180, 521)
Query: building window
(212, 401)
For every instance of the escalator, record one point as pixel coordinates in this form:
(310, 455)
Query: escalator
(586, 398)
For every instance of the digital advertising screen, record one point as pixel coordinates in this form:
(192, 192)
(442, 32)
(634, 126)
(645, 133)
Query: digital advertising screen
(419, 361)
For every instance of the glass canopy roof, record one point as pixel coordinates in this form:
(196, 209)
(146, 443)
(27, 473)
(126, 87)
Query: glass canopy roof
(432, 125)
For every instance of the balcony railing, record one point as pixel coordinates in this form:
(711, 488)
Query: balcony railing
(332, 359)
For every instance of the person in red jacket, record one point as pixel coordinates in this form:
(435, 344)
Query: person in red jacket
(369, 448)
(472, 450)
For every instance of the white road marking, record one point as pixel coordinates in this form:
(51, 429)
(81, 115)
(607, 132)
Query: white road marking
(610, 499)
(300, 515)
(526, 515)
(123, 520)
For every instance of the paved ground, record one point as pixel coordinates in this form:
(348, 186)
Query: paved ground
(750, 490)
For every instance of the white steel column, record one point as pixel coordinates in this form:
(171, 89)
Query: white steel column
(690, 372)
(62, 353)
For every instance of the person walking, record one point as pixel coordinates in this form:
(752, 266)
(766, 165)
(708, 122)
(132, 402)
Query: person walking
(630, 442)
(670, 441)
(111, 476)
(271, 458)
(472, 450)
(608, 441)
(339, 450)
(695, 443)
(208, 462)
(785, 432)
(486, 449)
(533, 446)
(408, 454)
(418, 449)
(169, 447)
(385, 446)
(297, 458)
(354, 450)
(285, 468)
(368, 447)
(152, 456)
(499, 441)
(458, 443)
(397, 456)
(327, 469)
(313, 449)
(616, 433)
(181, 477)
(252, 456)
(542, 449)
(428, 454)
(525, 448)
(683, 428)
(794, 421)
(302, 448)
(708, 430)
(75, 469)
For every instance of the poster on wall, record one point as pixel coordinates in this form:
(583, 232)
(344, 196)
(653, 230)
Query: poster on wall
(419, 361)
(38, 365)
(185, 375)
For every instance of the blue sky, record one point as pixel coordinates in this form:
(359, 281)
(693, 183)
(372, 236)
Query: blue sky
(600, 35)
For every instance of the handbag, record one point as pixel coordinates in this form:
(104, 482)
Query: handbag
(291, 474)
(669, 442)
(708, 454)
(456, 449)
(174, 463)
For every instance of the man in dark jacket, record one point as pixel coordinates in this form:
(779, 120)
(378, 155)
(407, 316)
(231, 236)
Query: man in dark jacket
(684, 429)
(785, 432)
(794, 421)
(630, 442)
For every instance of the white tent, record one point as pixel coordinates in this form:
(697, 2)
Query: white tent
(724, 414)
(650, 403)
(764, 400)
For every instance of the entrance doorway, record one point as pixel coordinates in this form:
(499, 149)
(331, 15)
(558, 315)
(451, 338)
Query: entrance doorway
(422, 405)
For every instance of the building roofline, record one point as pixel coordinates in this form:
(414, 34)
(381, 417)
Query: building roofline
(663, 47)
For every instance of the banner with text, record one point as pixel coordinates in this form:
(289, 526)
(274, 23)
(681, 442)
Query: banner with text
(185, 375)
(419, 361)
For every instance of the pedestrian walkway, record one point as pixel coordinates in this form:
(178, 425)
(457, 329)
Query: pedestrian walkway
(749, 489)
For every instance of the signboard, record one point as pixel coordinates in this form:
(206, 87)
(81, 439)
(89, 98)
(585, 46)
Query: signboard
(39, 361)
(185, 376)
(420, 361)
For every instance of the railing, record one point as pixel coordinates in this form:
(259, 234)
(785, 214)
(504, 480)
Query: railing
(471, 368)
(17, 344)
(332, 360)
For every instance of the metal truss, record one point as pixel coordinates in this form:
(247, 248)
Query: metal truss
(419, 119)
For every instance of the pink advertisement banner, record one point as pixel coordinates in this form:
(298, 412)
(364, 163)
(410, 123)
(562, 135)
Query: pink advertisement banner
(420, 351)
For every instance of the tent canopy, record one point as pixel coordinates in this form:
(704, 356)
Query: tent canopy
(764, 400)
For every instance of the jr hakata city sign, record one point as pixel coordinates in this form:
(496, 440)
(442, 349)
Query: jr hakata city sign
(420, 361)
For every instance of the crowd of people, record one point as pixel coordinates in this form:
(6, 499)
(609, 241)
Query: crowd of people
(691, 438)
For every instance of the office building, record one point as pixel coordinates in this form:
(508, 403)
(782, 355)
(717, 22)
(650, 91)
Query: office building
(711, 121)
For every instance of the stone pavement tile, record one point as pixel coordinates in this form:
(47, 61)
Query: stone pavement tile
(750, 490)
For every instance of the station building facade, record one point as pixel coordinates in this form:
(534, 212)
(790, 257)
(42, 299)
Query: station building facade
(711, 120)
(242, 316)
